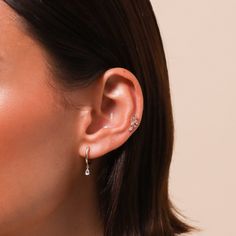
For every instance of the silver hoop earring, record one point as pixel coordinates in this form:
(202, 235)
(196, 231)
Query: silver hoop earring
(134, 123)
(87, 171)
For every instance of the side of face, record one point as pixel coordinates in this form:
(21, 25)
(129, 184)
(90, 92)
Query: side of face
(37, 161)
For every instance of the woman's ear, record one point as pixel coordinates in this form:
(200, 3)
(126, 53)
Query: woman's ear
(114, 99)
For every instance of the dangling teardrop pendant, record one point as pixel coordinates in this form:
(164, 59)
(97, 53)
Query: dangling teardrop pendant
(87, 172)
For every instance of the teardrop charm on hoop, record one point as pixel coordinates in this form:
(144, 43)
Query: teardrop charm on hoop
(87, 171)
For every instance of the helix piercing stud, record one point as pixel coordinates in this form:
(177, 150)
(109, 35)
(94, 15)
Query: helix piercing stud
(134, 123)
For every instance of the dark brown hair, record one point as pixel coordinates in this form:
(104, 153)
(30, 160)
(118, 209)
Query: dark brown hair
(85, 38)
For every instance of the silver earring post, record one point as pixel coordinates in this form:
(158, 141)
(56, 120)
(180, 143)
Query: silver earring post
(87, 171)
(134, 123)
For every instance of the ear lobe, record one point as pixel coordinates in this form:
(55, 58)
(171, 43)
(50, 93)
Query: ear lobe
(107, 125)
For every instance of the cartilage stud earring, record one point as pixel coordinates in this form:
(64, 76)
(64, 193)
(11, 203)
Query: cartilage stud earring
(134, 123)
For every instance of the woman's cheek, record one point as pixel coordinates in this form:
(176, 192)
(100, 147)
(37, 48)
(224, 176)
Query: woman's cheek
(35, 164)
(36, 134)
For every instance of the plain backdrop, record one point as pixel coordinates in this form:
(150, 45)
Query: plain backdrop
(199, 39)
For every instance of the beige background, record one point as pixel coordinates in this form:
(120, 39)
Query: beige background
(199, 38)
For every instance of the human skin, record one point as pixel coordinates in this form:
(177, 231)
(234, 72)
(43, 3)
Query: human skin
(42, 142)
